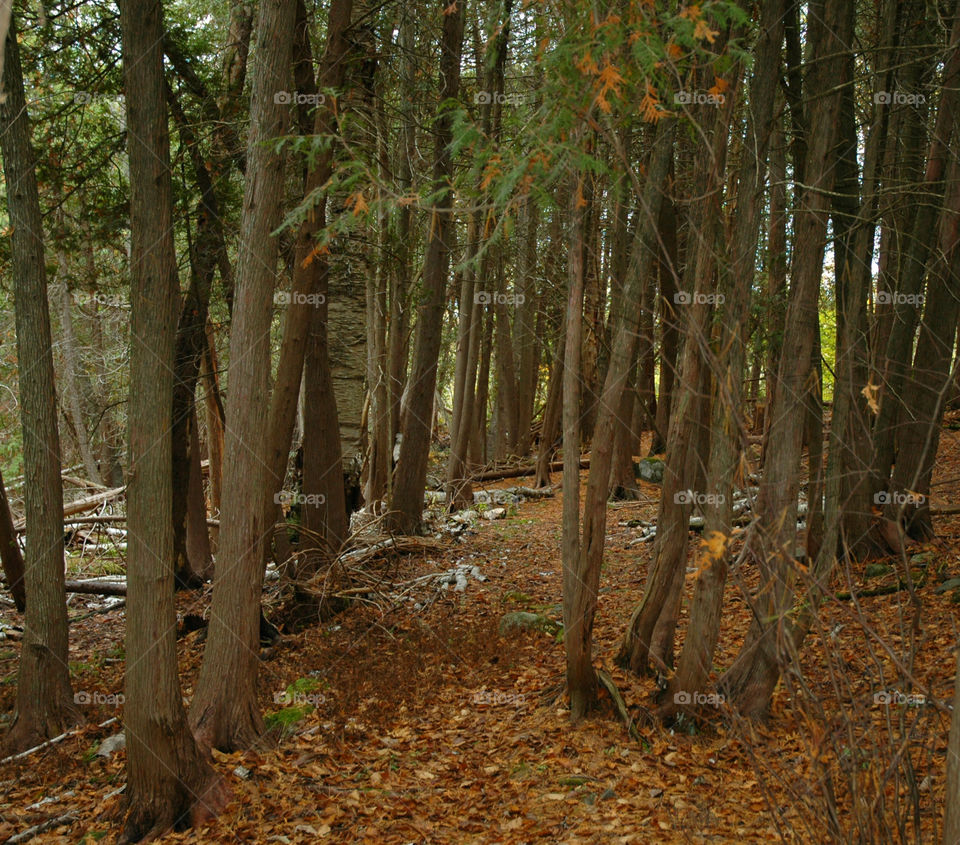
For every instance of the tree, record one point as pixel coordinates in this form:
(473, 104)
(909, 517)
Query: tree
(225, 712)
(11, 558)
(45, 705)
(168, 778)
(406, 503)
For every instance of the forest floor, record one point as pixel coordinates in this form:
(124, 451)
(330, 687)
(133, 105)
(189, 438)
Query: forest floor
(429, 726)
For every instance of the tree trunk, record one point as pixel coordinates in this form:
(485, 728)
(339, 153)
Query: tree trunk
(909, 292)
(581, 677)
(45, 704)
(751, 680)
(406, 503)
(729, 428)
(225, 712)
(10, 555)
(951, 817)
(168, 780)
(582, 574)
(650, 632)
(304, 328)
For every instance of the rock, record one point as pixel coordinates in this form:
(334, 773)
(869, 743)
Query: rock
(465, 516)
(522, 620)
(650, 470)
(952, 584)
(876, 570)
(495, 513)
(113, 743)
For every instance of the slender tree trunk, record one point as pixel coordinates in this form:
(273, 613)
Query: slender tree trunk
(751, 680)
(10, 556)
(168, 779)
(581, 677)
(581, 585)
(71, 370)
(304, 328)
(44, 705)
(667, 269)
(550, 430)
(729, 428)
(951, 818)
(225, 712)
(406, 503)
(649, 635)
(901, 339)
(213, 405)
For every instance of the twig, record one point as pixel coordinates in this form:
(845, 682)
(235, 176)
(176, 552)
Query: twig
(50, 742)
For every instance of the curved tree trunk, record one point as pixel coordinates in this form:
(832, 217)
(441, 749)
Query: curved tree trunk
(44, 699)
(225, 712)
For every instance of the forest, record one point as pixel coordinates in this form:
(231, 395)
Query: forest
(484, 421)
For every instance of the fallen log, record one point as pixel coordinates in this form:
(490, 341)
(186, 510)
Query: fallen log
(95, 587)
(82, 505)
(521, 470)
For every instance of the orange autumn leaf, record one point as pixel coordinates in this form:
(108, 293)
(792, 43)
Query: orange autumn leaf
(703, 31)
(313, 254)
(650, 105)
(691, 12)
(359, 204)
(674, 50)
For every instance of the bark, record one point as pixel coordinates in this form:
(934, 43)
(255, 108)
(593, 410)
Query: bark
(650, 631)
(213, 405)
(406, 503)
(526, 339)
(667, 270)
(929, 385)
(581, 677)
(729, 428)
(10, 556)
(71, 370)
(550, 430)
(304, 327)
(927, 205)
(44, 704)
(225, 712)
(752, 678)
(169, 782)
(951, 818)
(582, 574)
